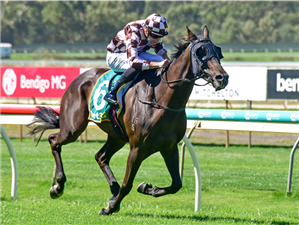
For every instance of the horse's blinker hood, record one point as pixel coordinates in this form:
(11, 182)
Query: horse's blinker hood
(212, 51)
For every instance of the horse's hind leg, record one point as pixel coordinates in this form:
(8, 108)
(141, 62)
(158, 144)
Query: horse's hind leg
(57, 190)
(103, 158)
(171, 158)
(69, 132)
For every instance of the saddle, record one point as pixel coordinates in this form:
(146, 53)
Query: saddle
(99, 109)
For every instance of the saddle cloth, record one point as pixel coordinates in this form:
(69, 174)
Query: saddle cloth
(99, 108)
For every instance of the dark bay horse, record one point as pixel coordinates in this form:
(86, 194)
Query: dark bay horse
(153, 117)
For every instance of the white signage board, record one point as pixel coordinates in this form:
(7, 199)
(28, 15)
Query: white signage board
(245, 83)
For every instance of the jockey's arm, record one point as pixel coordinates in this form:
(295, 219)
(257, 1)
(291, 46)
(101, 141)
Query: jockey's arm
(155, 65)
(165, 63)
(165, 56)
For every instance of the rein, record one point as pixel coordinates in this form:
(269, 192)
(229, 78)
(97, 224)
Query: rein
(184, 80)
(196, 65)
(179, 80)
(155, 104)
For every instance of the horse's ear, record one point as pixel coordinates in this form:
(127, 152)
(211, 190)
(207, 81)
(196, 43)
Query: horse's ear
(191, 36)
(206, 32)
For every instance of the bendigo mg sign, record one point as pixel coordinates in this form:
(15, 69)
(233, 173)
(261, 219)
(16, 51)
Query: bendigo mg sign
(36, 82)
(283, 84)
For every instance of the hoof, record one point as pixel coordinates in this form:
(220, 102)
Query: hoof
(102, 212)
(142, 188)
(53, 192)
(109, 209)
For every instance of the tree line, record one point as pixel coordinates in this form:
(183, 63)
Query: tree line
(36, 22)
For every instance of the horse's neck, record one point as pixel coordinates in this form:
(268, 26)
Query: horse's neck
(176, 95)
(180, 68)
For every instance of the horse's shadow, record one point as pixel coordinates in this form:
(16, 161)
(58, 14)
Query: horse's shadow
(202, 218)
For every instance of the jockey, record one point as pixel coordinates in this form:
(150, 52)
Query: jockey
(127, 52)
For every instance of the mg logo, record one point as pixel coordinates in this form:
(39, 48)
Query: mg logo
(9, 81)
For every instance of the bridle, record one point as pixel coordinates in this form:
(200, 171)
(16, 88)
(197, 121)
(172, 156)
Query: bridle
(196, 65)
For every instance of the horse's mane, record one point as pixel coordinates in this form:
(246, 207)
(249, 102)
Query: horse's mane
(179, 50)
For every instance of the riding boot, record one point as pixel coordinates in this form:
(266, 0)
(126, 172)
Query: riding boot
(128, 75)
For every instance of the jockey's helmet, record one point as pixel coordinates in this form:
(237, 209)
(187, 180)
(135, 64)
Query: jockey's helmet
(156, 24)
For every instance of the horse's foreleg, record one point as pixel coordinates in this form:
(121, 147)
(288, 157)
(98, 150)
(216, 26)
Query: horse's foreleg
(57, 190)
(103, 158)
(133, 164)
(171, 158)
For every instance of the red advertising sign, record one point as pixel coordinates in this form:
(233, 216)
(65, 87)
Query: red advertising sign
(36, 82)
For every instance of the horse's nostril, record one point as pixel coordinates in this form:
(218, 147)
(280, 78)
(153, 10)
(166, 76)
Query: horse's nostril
(219, 77)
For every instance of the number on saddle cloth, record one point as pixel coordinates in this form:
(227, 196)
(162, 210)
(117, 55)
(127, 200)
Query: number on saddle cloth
(98, 107)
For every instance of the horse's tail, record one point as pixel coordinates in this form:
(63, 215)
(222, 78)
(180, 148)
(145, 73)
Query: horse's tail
(44, 118)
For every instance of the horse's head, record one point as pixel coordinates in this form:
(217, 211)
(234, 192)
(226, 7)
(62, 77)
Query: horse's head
(205, 59)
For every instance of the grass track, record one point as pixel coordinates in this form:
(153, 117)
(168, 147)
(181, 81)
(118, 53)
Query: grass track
(228, 56)
(240, 186)
(261, 57)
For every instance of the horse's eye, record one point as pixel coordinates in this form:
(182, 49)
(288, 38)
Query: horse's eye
(201, 52)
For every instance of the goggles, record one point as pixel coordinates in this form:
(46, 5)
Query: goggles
(154, 36)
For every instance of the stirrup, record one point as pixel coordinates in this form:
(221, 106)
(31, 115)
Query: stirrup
(110, 97)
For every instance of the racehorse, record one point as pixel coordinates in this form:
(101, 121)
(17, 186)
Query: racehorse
(153, 117)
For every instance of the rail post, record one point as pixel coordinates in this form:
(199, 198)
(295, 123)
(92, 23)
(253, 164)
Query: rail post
(249, 107)
(291, 166)
(226, 132)
(14, 166)
(183, 152)
(197, 174)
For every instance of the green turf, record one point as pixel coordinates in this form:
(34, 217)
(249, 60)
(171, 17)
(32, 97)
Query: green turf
(261, 57)
(59, 56)
(240, 186)
(228, 57)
